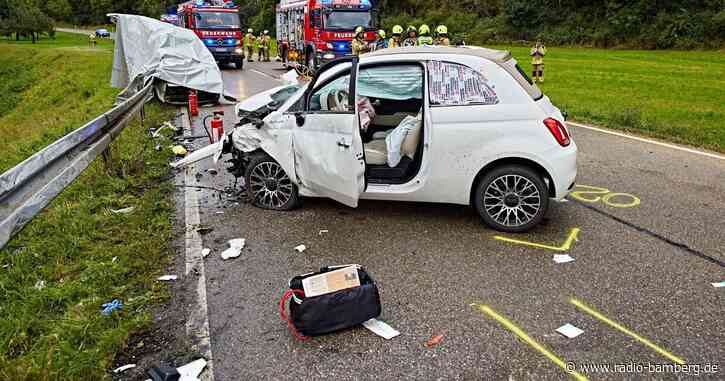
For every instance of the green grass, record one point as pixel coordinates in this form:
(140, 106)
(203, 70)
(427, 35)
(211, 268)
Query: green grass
(58, 332)
(672, 95)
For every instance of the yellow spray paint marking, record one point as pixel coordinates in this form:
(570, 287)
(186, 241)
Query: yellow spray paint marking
(565, 247)
(528, 340)
(621, 328)
(592, 195)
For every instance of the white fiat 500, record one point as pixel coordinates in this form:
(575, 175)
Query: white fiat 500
(446, 125)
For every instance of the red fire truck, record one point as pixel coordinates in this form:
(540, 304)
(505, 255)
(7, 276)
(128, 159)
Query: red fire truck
(217, 24)
(318, 31)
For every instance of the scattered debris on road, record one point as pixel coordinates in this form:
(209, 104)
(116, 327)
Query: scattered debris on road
(108, 308)
(205, 252)
(719, 284)
(179, 150)
(563, 258)
(300, 248)
(235, 248)
(435, 340)
(167, 278)
(128, 210)
(569, 331)
(124, 368)
(381, 328)
(166, 126)
(192, 370)
(324, 231)
(164, 372)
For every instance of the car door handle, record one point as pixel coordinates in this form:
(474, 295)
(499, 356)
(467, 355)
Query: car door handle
(343, 144)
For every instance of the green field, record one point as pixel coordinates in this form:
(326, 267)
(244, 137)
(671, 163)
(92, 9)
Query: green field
(673, 95)
(55, 331)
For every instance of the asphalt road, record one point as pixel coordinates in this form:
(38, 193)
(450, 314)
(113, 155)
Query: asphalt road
(647, 268)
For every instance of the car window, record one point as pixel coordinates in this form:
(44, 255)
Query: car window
(453, 84)
(334, 96)
(398, 82)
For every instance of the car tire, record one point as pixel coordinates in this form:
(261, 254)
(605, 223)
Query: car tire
(239, 63)
(512, 198)
(268, 185)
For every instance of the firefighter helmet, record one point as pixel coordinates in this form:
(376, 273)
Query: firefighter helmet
(411, 29)
(424, 30)
(442, 29)
(250, 30)
(266, 32)
(359, 30)
(381, 33)
(397, 30)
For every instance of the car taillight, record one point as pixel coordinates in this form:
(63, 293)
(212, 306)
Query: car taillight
(558, 130)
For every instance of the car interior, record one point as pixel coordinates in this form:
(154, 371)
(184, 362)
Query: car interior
(390, 105)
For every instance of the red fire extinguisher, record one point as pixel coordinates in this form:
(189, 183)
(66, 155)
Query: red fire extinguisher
(217, 126)
(193, 103)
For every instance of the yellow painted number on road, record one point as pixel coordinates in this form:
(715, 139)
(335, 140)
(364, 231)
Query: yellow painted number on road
(590, 194)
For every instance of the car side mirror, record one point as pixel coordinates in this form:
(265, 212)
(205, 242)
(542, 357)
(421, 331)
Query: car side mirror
(300, 119)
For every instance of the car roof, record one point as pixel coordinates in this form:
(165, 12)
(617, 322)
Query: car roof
(498, 56)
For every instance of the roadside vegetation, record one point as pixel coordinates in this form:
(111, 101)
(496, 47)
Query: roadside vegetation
(672, 95)
(78, 254)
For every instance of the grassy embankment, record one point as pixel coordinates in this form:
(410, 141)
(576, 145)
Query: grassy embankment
(673, 95)
(57, 272)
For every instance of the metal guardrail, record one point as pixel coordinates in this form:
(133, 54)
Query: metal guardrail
(30, 186)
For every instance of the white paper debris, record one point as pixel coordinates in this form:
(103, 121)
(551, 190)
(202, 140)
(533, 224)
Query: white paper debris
(718, 284)
(569, 331)
(114, 259)
(124, 210)
(381, 328)
(205, 252)
(39, 285)
(563, 258)
(167, 278)
(235, 248)
(301, 248)
(192, 370)
(124, 368)
(323, 232)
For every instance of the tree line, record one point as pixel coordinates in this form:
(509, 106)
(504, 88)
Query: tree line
(649, 24)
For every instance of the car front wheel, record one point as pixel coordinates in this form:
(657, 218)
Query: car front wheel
(512, 198)
(268, 185)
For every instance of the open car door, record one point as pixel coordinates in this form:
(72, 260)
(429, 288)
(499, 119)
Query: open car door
(327, 146)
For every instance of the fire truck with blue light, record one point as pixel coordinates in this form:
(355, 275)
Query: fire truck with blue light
(218, 25)
(315, 32)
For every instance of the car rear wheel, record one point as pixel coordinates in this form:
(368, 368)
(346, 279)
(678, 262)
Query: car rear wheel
(512, 198)
(239, 63)
(268, 185)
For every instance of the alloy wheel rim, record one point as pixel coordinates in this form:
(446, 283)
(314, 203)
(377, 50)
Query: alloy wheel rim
(270, 185)
(512, 200)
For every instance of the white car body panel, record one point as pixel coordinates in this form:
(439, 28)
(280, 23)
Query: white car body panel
(459, 141)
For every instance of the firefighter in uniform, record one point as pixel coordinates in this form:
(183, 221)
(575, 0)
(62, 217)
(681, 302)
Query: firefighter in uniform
(537, 61)
(425, 38)
(264, 42)
(249, 44)
(359, 45)
(442, 38)
(396, 40)
(412, 39)
(380, 41)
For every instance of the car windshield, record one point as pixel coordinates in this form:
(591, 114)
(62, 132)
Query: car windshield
(217, 20)
(346, 20)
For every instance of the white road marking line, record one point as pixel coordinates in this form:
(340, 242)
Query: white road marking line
(197, 325)
(266, 75)
(655, 142)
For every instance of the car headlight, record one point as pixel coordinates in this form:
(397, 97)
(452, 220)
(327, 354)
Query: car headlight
(238, 51)
(328, 56)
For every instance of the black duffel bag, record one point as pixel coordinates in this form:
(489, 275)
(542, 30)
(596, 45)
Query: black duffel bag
(331, 312)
